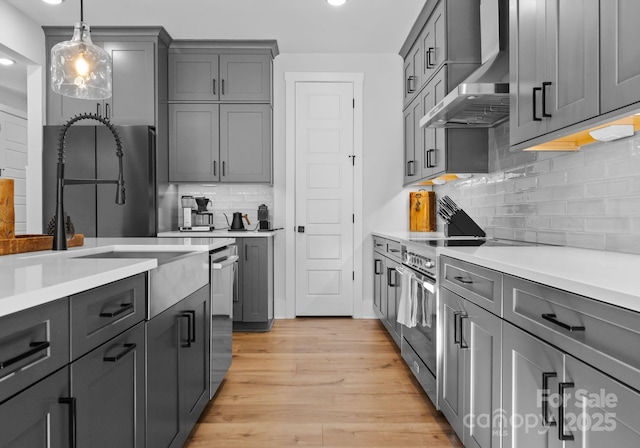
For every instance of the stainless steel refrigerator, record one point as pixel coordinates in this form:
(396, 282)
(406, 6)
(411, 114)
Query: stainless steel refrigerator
(90, 153)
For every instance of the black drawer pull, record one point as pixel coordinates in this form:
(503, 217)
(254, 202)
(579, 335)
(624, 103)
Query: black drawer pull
(191, 329)
(37, 347)
(456, 338)
(395, 251)
(377, 267)
(71, 401)
(462, 280)
(545, 398)
(123, 309)
(552, 318)
(535, 113)
(127, 349)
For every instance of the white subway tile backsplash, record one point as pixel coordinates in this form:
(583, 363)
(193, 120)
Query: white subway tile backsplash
(588, 198)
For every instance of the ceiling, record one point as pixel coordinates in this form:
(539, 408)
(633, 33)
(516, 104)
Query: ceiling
(299, 26)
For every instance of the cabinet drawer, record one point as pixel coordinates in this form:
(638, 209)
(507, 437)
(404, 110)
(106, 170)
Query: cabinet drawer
(600, 334)
(479, 285)
(99, 314)
(424, 376)
(394, 250)
(33, 343)
(379, 244)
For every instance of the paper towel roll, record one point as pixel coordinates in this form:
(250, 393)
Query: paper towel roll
(7, 211)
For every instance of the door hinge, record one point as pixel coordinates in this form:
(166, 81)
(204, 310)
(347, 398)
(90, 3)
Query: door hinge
(354, 103)
(353, 275)
(353, 159)
(353, 218)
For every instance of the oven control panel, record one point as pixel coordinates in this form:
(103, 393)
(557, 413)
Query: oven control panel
(419, 262)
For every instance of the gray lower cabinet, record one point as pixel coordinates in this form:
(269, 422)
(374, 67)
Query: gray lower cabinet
(177, 370)
(379, 288)
(219, 143)
(108, 385)
(35, 418)
(470, 380)
(393, 287)
(253, 303)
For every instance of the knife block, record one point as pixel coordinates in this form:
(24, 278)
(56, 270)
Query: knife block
(7, 211)
(461, 224)
(422, 211)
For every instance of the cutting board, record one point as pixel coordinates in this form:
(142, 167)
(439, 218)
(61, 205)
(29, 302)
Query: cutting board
(7, 211)
(422, 211)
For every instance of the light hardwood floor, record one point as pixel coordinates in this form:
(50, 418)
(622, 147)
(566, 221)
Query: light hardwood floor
(332, 382)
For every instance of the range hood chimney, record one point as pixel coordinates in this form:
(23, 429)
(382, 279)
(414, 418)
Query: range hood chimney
(481, 100)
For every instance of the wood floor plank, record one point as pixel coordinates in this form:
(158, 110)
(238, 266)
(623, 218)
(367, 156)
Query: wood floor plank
(330, 382)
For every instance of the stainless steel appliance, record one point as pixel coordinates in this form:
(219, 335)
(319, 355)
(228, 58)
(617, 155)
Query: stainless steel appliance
(188, 203)
(224, 266)
(89, 154)
(419, 344)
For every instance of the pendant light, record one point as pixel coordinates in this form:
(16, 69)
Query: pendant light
(80, 69)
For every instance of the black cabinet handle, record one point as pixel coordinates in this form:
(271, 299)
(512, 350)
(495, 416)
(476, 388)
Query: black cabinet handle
(98, 109)
(561, 434)
(36, 347)
(545, 397)
(462, 280)
(544, 99)
(552, 318)
(389, 271)
(188, 316)
(376, 265)
(463, 345)
(429, 161)
(214, 86)
(192, 325)
(107, 110)
(535, 110)
(119, 356)
(224, 171)
(411, 168)
(395, 251)
(123, 309)
(456, 337)
(430, 52)
(222, 87)
(71, 401)
(215, 167)
(410, 84)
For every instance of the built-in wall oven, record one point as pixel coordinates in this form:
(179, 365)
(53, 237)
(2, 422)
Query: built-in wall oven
(419, 343)
(224, 262)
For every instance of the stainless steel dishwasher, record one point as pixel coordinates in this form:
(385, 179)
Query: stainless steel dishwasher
(224, 265)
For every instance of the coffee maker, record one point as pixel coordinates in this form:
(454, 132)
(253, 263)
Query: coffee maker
(188, 204)
(202, 218)
(263, 218)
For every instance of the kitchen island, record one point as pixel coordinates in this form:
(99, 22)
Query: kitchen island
(106, 343)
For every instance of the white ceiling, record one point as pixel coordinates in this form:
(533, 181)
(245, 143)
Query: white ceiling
(299, 26)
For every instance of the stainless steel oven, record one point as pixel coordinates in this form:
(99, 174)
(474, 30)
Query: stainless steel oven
(419, 343)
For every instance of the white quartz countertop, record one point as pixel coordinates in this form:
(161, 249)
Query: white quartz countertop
(220, 234)
(34, 278)
(610, 277)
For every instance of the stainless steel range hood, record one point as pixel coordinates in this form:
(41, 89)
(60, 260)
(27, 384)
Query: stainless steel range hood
(481, 100)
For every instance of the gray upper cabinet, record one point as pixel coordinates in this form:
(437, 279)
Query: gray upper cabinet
(620, 69)
(412, 72)
(194, 139)
(245, 77)
(135, 55)
(433, 43)
(193, 77)
(245, 142)
(412, 141)
(554, 65)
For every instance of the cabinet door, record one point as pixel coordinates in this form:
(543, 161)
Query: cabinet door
(434, 48)
(237, 287)
(620, 60)
(254, 280)
(528, 365)
(163, 380)
(572, 63)
(378, 279)
(412, 141)
(451, 379)
(599, 410)
(482, 333)
(527, 61)
(435, 144)
(412, 72)
(133, 100)
(35, 418)
(245, 142)
(245, 77)
(194, 143)
(109, 387)
(193, 77)
(393, 296)
(195, 327)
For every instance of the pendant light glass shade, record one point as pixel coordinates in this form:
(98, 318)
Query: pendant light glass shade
(80, 69)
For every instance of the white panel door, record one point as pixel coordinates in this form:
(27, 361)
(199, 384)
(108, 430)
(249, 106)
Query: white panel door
(324, 199)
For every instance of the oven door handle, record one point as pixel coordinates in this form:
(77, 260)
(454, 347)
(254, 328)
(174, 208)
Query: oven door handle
(230, 260)
(427, 285)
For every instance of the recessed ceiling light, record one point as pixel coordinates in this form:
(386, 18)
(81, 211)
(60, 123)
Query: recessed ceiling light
(336, 2)
(53, 2)
(7, 61)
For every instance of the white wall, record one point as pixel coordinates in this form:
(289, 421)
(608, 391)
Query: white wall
(24, 40)
(383, 201)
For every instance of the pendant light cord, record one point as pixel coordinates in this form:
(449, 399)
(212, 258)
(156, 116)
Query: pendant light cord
(81, 11)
